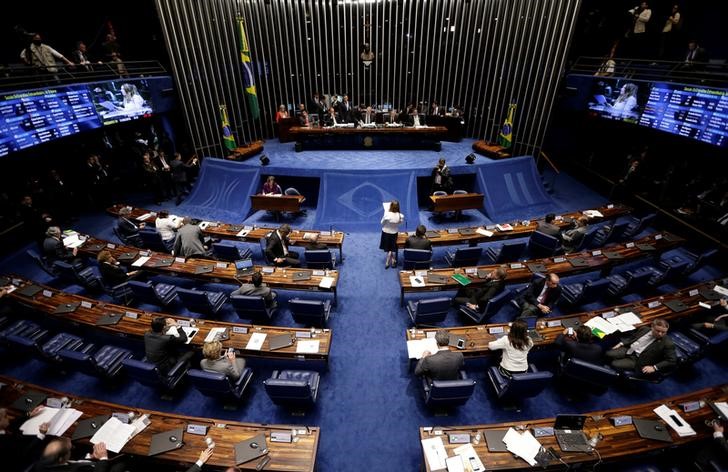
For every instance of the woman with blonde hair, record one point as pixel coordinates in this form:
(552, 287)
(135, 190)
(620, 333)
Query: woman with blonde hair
(224, 362)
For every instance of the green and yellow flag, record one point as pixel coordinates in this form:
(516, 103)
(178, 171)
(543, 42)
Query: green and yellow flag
(248, 76)
(505, 137)
(227, 136)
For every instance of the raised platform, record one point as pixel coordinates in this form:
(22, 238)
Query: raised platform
(490, 150)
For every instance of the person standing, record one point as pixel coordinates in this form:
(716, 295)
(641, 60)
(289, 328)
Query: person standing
(190, 242)
(390, 228)
(42, 56)
(641, 16)
(441, 178)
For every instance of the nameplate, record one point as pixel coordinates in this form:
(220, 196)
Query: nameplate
(658, 237)
(111, 246)
(553, 324)
(280, 437)
(431, 334)
(268, 270)
(691, 406)
(704, 305)
(559, 259)
(132, 315)
(596, 253)
(184, 323)
(47, 293)
(240, 330)
(608, 314)
(318, 273)
(693, 292)
(622, 420)
(123, 417)
(629, 245)
(180, 260)
(654, 304)
(55, 402)
(496, 330)
(198, 429)
(459, 438)
(221, 265)
(543, 431)
(517, 265)
(85, 304)
(303, 334)
(144, 253)
(17, 282)
(471, 270)
(610, 206)
(325, 233)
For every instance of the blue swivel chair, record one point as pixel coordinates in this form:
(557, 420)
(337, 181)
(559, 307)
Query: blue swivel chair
(607, 234)
(587, 376)
(160, 294)
(694, 261)
(493, 306)
(105, 363)
(44, 349)
(688, 350)
(543, 245)
(413, 259)
(252, 307)
(296, 389)
(666, 273)
(151, 239)
(41, 262)
(629, 282)
(310, 312)
(319, 259)
(148, 374)
(520, 386)
(448, 393)
(462, 257)
(584, 293)
(636, 225)
(506, 252)
(227, 251)
(216, 384)
(200, 301)
(428, 311)
(85, 277)
(23, 328)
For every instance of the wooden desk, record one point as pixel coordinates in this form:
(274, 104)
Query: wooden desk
(243, 152)
(448, 238)
(88, 315)
(222, 271)
(618, 443)
(465, 201)
(477, 337)
(298, 456)
(405, 137)
(660, 241)
(492, 150)
(277, 202)
(233, 232)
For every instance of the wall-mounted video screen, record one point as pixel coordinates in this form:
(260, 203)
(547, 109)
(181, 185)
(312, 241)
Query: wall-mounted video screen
(32, 117)
(618, 99)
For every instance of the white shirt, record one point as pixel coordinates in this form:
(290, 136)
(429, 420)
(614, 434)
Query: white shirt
(669, 24)
(283, 243)
(641, 20)
(416, 120)
(391, 221)
(513, 359)
(167, 227)
(641, 344)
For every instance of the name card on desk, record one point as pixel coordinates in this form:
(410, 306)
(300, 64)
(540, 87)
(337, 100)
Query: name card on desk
(629, 245)
(517, 265)
(47, 293)
(85, 304)
(280, 437)
(131, 314)
(111, 246)
(693, 292)
(559, 259)
(303, 334)
(654, 304)
(180, 260)
(221, 265)
(553, 324)
(144, 253)
(496, 330)
(610, 206)
(184, 323)
(240, 330)
(198, 429)
(471, 270)
(608, 314)
(704, 305)
(325, 233)
(596, 253)
(268, 270)
(658, 237)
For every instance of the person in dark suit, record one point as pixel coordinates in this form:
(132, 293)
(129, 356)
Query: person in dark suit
(53, 248)
(190, 241)
(572, 238)
(713, 322)
(579, 345)
(436, 110)
(415, 119)
(276, 248)
(716, 451)
(57, 458)
(419, 240)
(540, 296)
(477, 298)
(345, 109)
(695, 57)
(303, 119)
(332, 118)
(162, 349)
(368, 116)
(256, 287)
(127, 229)
(179, 175)
(111, 271)
(442, 365)
(441, 178)
(392, 118)
(649, 352)
(19, 451)
(547, 226)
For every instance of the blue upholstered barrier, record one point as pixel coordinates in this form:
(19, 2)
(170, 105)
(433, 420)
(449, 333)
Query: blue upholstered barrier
(222, 191)
(353, 200)
(513, 189)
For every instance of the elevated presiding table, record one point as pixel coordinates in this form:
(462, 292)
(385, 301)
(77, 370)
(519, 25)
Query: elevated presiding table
(379, 136)
(277, 202)
(457, 202)
(294, 456)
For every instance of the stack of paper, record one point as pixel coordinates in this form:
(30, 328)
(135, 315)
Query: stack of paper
(72, 241)
(417, 281)
(524, 445)
(416, 347)
(592, 214)
(435, 453)
(141, 261)
(255, 343)
(242, 233)
(455, 464)
(484, 232)
(307, 346)
(144, 217)
(327, 282)
(114, 434)
(469, 458)
(504, 227)
(722, 407)
(60, 420)
(675, 421)
(625, 322)
(214, 334)
(601, 327)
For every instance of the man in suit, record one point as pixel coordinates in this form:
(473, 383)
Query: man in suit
(53, 248)
(695, 57)
(579, 345)
(436, 110)
(392, 118)
(419, 240)
(190, 242)
(19, 451)
(442, 365)
(276, 248)
(332, 118)
(179, 175)
(476, 298)
(368, 117)
(649, 352)
(57, 458)
(256, 287)
(415, 119)
(715, 452)
(162, 349)
(713, 322)
(127, 229)
(441, 178)
(572, 238)
(540, 296)
(345, 108)
(547, 226)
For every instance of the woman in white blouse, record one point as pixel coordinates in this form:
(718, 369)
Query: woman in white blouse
(515, 348)
(390, 228)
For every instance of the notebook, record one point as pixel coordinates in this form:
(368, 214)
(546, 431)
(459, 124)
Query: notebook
(536, 268)
(246, 451)
(166, 441)
(652, 429)
(645, 247)
(204, 269)
(570, 323)
(301, 276)
(494, 440)
(280, 341)
(461, 279)
(167, 261)
(675, 305)
(244, 267)
(611, 255)
(569, 431)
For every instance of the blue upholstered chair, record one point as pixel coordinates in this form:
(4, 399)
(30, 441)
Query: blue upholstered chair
(293, 388)
(252, 307)
(105, 363)
(666, 273)
(199, 301)
(493, 306)
(694, 261)
(428, 311)
(216, 384)
(151, 239)
(688, 350)
(506, 252)
(710, 339)
(583, 293)
(588, 240)
(587, 376)
(160, 294)
(44, 349)
(416, 259)
(462, 257)
(448, 393)
(628, 282)
(520, 386)
(40, 262)
(319, 259)
(227, 251)
(23, 328)
(609, 233)
(636, 225)
(148, 374)
(310, 312)
(85, 277)
(543, 245)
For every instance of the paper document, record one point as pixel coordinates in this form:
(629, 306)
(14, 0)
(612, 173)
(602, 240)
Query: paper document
(30, 427)
(722, 407)
(307, 346)
(504, 227)
(624, 322)
(63, 420)
(592, 214)
(141, 261)
(469, 458)
(189, 331)
(601, 327)
(524, 445)
(484, 232)
(675, 421)
(255, 343)
(417, 280)
(435, 453)
(144, 217)
(114, 434)
(455, 464)
(416, 347)
(72, 241)
(327, 282)
(214, 334)
(242, 233)
(140, 424)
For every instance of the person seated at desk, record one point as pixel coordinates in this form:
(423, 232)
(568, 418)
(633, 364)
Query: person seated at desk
(256, 287)
(579, 345)
(547, 226)
(368, 117)
(19, 451)
(128, 229)
(572, 238)
(161, 349)
(713, 322)
(626, 102)
(304, 120)
(167, 226)
(649, 352)
(436, 110)
(276, 248)
(442, 365)
(515, 347)
(57, 457)
(331, 118)
(419, 240)
(415, 119)
(392, 119)
(190, 242)
(477, 298)
(714, 453)
(314, 244)
(224, 362)
(540, 296)
(271, 187)
(441, 178)
(281, 114)
(54, 250)
(111, 271)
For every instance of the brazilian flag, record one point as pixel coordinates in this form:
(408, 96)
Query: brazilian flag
(227, 136)
(248, 76)
(505, 137)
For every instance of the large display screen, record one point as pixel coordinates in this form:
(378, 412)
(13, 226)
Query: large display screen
(32, 117)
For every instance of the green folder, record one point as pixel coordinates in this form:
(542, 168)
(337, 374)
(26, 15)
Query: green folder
(461, 279)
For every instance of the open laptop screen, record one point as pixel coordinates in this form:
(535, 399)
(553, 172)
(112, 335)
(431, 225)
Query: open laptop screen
(243, 264)
(573, 422)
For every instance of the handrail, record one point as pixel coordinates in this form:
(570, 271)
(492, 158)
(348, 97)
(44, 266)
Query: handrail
(550, 162)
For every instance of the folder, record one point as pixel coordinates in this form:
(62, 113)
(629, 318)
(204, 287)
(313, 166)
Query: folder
(66, 308)
(29, 400)
(30, 290)
(246, 451)
(88, 427)
(279, 341)
(204, 269)
(461, 279)
(166, 441)
(109, 319)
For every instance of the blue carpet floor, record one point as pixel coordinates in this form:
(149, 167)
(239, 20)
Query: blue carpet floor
(370, 405)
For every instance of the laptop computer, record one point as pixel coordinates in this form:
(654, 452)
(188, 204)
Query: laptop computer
(652, 429)
(127, 256)
(246, 451)
(168, 261)
(436, 278)
(88, 427)
(536, 267)
(675, 305)
(569, 431)
(280, 341)
(570, 323)
(494, 440)
(166, 441)
(30, 400)
(531, 323)
(301, 276)
(29, 290)
(244, 267)
(204, 269)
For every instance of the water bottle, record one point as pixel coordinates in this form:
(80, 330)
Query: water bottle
(210, 442)
(477, 438)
